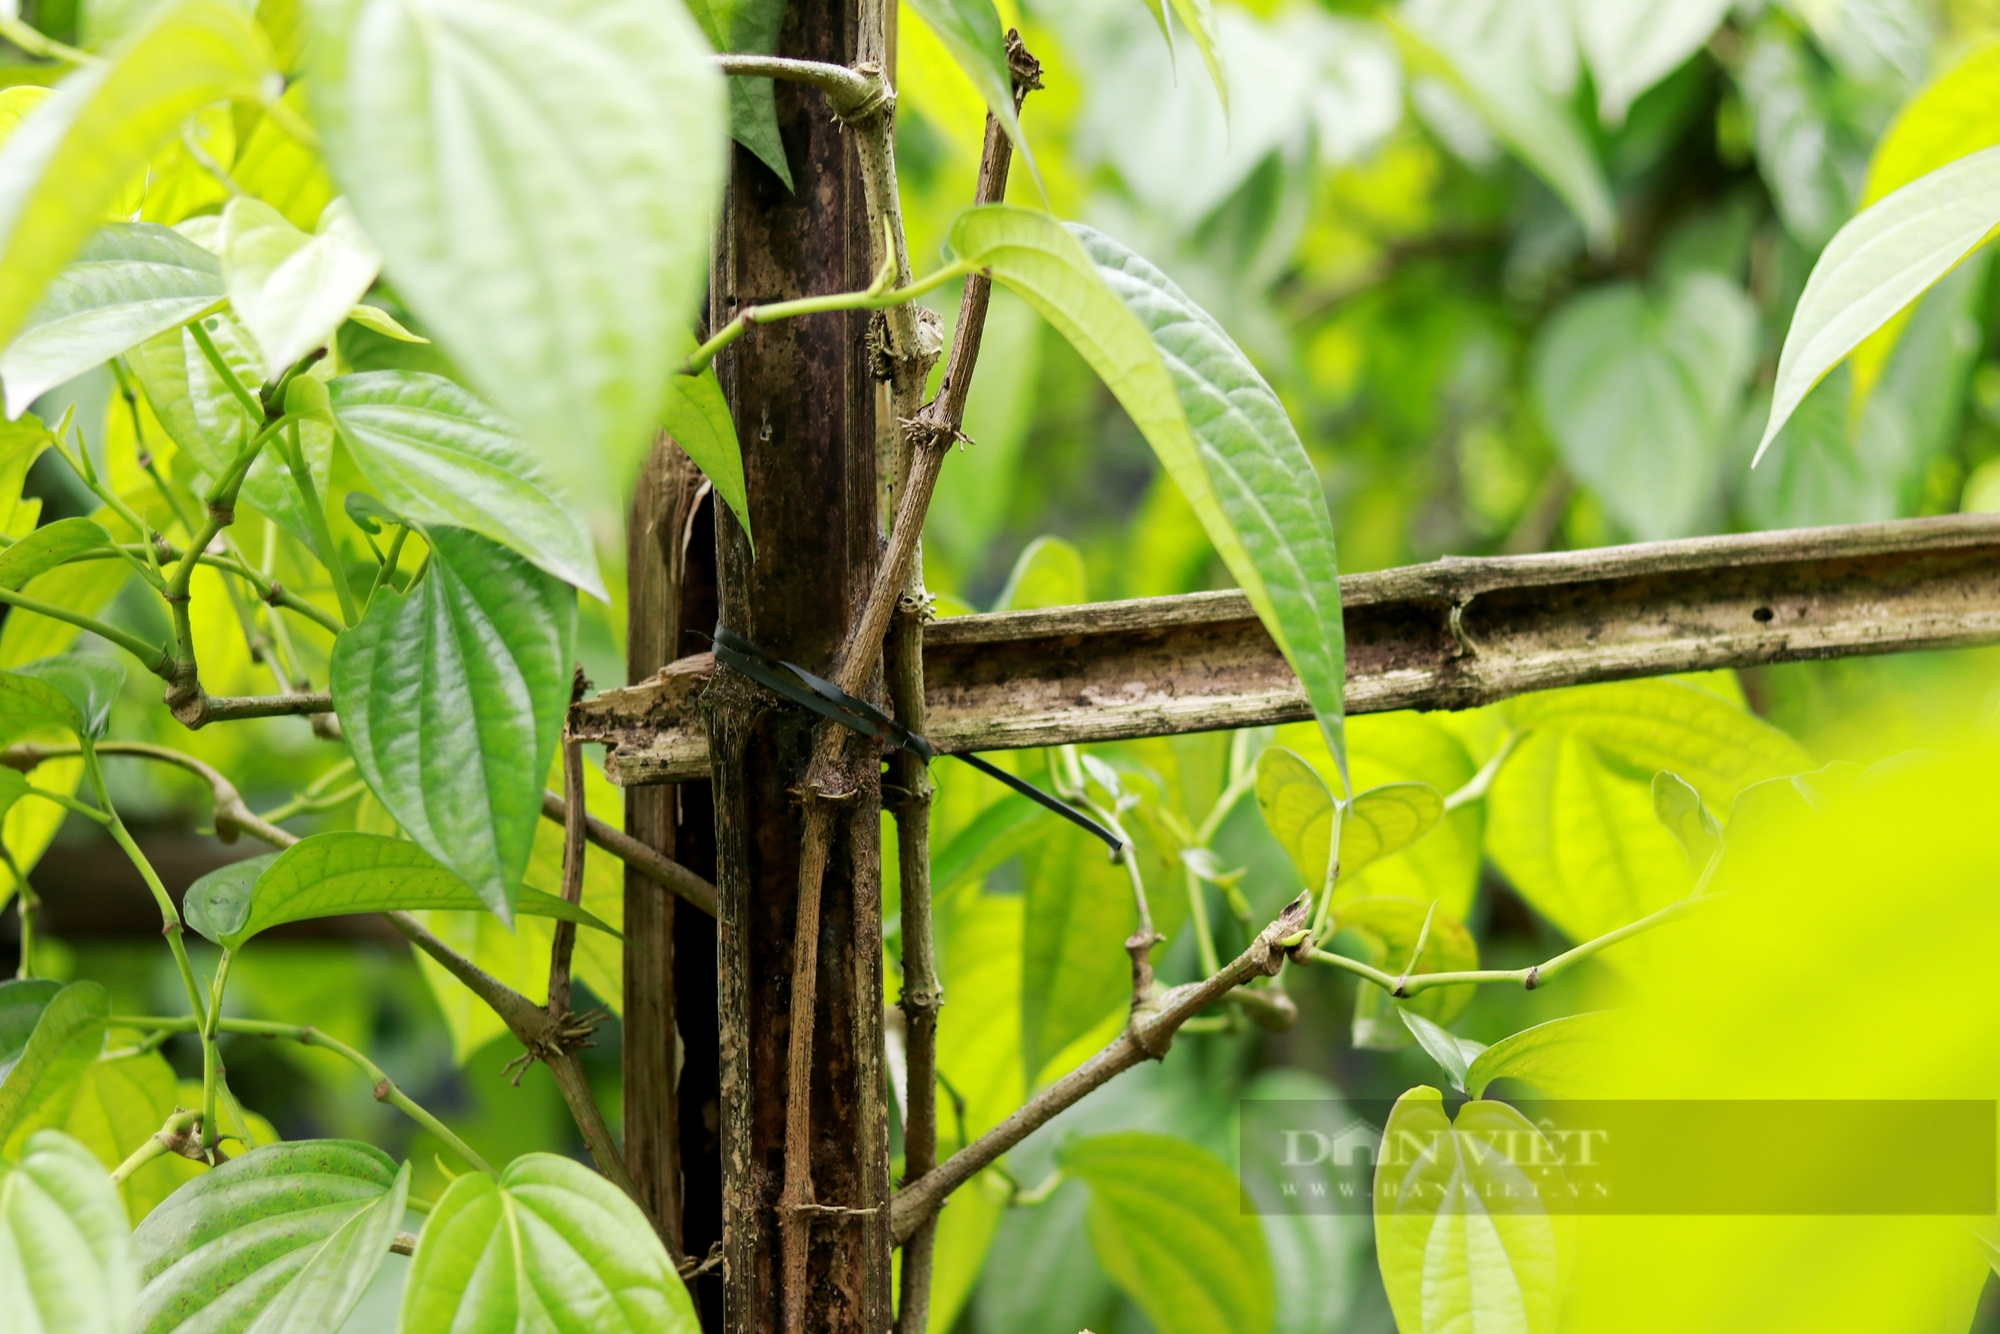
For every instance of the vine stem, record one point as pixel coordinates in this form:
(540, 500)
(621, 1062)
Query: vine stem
(385, 1089)
(170, 923)
(878, 295)
(1527, 978)
(167, 1139)
(35, 44)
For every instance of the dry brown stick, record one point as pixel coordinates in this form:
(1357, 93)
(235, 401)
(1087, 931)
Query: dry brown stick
(921, 997)
(562, 944)
(796, 1202)
(1147, 1037)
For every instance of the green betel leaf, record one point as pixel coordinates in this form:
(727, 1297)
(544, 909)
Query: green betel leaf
(1454, 1053)
(1878, 264)
(1300, 812)
(22, 1001)
(1255, 490)
(970, 30)
(439, 455)
(337, 874)
(697, 416)
(1465, 1237)
(1643, 391)
(1555, 1058)
(452, 695)
(1215, 425)
(30, 704)
(1391, 929)
(1167, 1222)
(1384, 820)
(90, 682)
(1681, 810)
(66, 163)
(128, 283)
(284, 1238)
(68, 1035)
(291, 289)
(50, 545)
(542, 179)
(749, 27)
(65, 1252)
(550, 1246)
(210, 425)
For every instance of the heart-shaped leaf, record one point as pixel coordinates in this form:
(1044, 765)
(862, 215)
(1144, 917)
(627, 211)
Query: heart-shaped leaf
(49, 546)
(128, 283)
(1555, 1057)
(549, 1246)
(120, 1102)
(443, 121)
(66, 163)
(283, 1239)
(452, 695)
(1299, 809)
(337, 874)
(1463, 1234)
(64, 1246)
(1300, 812)
(439, 455)
(291, 289)
(1167, 1222)
(1391, 928)
(89, 682)
(67, 1037)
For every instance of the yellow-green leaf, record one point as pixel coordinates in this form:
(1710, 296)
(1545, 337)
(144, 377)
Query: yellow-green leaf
(1463, 1235)
(76, 150)
(1555, 1058)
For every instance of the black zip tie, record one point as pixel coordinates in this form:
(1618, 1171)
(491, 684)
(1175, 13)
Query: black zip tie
(830, 701)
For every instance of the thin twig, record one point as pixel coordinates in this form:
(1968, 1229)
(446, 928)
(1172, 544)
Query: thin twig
(1146, 1037)
(563, 940)
(649, 862)
(795, 1201)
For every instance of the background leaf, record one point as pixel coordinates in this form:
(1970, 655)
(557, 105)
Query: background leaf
(1681, 810)
(970, 30)
(63, 166)
(89, 681)
(1168, 1226)
(1633, 44)
(127, 283)
(41, 1081)
(1641, 393)
(120, 1102)
(1878, 264)
(64, 1255)
(284, 1238)
(439, 455)
(440, 120)
(524, 1250)
(1390, 927)
(452, 695)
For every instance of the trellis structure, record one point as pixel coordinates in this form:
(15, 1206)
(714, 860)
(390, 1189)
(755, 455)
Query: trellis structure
(773, 1142)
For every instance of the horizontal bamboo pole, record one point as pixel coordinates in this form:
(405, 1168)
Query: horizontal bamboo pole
(1453, 634)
